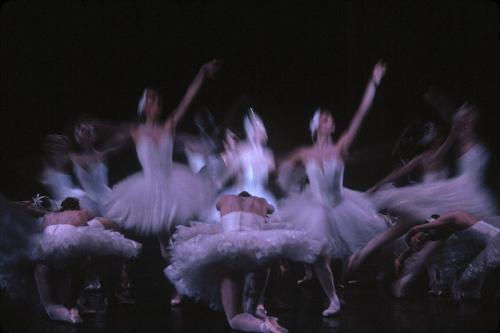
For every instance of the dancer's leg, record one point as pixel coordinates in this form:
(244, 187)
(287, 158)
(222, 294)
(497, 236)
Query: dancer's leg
(325, 277)
(255, 285)
(412, 270)
(164, 240)
(231, 295)
(375, 244)
(54, 310)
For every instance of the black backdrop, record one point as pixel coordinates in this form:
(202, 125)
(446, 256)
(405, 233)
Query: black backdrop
(63, 59)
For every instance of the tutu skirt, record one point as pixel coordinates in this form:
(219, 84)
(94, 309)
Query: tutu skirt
(152, 205)
(420, 201)
(342, 228)
(63, 241)
(202, 253)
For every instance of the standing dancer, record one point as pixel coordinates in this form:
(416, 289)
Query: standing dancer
(340, 218)
(163, 194)
(251, 161)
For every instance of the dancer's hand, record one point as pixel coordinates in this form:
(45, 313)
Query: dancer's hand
(212, 68)
(378, 72)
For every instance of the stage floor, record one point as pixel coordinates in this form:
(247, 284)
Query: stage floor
(367, 308)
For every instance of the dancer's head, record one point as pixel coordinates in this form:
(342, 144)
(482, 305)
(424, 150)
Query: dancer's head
(149, 105)
(85, 135)
(244, 194)
(57, 148)
(70, 204)
(322, 123)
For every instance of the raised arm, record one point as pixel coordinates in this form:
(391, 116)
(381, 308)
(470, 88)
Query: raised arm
(398, 173)
(207, 71)
(348, 136)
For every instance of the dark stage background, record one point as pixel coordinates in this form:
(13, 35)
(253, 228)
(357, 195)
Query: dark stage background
(60, 60)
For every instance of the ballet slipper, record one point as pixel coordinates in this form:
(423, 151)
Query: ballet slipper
(274, 322)
(74, 316)
(260, 311)
(333, 308)
(270, 325)
(305, 280)
(176, 300)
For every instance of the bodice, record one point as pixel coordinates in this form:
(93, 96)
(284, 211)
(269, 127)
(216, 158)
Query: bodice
(255, 165)
(326, 179)
(155, 156)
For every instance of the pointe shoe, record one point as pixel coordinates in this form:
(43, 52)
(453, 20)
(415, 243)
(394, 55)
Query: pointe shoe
(260, 311)
(270, 325)
(176, 300)
(74, 316)
(333, 309)
(305, 280)
(274, 322)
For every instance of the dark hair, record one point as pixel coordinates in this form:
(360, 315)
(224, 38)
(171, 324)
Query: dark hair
(244, 194)
(70, 204)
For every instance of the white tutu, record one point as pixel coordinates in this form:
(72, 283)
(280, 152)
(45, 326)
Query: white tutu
(163, 195)
(64, 241)
(202, 253)
(465, 192)
(342, 228)
(344, 220)
(448, 263)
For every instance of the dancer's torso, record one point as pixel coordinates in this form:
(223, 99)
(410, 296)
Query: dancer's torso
(242, 221)
(326, 179)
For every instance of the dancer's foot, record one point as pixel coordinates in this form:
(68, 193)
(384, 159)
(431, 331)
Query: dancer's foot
(333, 308)
(176, 300)
(305, 280)
(74, 316)
(260, 311)
(270, 325)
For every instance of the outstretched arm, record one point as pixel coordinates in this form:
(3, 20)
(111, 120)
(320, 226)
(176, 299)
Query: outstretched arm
(398, 173)
(348, 137)
(452, 221)
(207, 71)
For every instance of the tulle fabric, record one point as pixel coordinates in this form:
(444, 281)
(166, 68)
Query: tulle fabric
(465, 192)
(63, 241)
(19, 234)
(203, 253)
(341, 228)
(61, 186)
(457, 257)
(420, 201)
(161, 196)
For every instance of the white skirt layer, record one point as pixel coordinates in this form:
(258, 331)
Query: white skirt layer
(152, 205)
(342, 229)
(201, 254)
(64, 241)
(420, 201)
